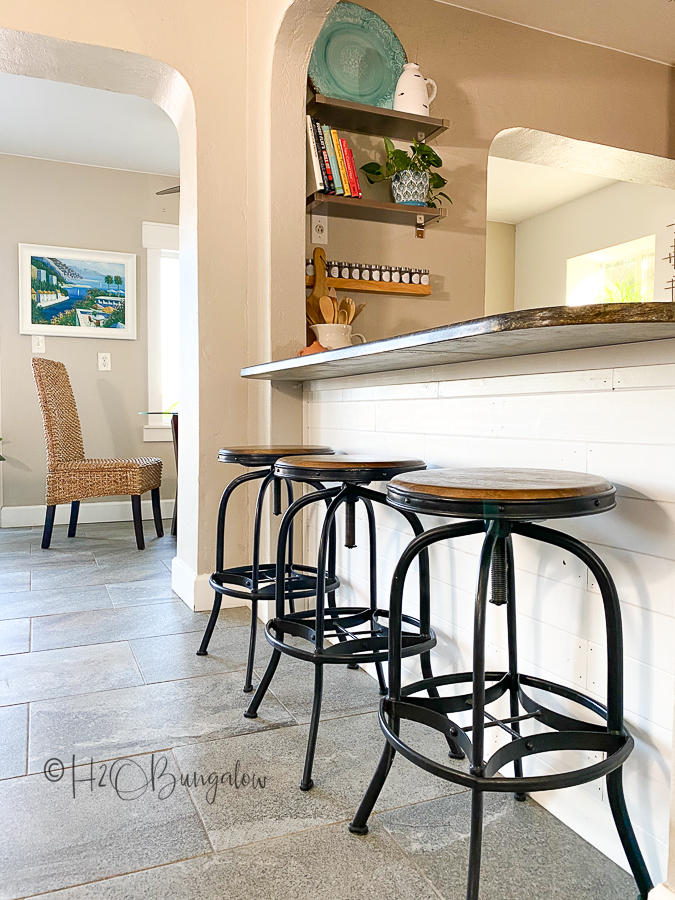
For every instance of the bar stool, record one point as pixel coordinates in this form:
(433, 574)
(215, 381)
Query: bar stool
(256, 581)
(359, 632)
(503, 502)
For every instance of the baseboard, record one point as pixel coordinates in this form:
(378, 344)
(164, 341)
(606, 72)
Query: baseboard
(662, 892)
(100, 511)
(194, 589)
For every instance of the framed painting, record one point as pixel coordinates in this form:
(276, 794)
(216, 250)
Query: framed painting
(77, 293)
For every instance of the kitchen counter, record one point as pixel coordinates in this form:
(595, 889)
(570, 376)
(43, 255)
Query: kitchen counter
(493, 337)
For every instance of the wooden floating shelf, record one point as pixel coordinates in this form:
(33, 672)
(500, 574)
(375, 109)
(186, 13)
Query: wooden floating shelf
(372, 210)
(373, 287)
(362, 119)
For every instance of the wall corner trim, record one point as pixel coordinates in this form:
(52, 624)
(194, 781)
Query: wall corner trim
(662, 892)
(194, 589)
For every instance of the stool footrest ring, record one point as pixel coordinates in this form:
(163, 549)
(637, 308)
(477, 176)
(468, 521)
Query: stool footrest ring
(574, 734)
(367, 647)
(300, 582)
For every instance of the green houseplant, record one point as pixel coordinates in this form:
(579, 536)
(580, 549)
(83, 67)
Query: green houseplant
(412, 181)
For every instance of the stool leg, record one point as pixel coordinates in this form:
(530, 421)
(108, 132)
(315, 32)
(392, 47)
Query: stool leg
(220, 552)
(610, 599)
(307, 784)
(213, 618)
(248, 683)
(359, 824)
(372, 574)
(254, 705)
(478, 748)
(505, 546)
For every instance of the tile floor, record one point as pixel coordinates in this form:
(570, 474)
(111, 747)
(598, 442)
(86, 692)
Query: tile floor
(97, 662)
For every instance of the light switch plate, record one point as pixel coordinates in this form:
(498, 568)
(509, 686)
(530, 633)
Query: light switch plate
(39, 343)
(104, 362)
(319, 227)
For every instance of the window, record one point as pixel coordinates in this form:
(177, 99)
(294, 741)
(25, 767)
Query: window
(163, 267)
(620, 274)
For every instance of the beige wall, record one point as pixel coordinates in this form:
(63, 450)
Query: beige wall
(64, 205)
(500, 267)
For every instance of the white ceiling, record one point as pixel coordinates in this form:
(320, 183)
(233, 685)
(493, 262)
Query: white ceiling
(75, 124)
(519, 190)
(641, 27)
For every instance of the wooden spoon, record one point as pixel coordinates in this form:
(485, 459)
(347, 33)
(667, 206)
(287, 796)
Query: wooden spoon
(319, 289)
(359, 310)
(327, 309)
(351, 310)
(342, 317)
(336, 310)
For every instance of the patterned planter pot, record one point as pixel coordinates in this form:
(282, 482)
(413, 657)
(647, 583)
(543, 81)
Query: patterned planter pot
(410, 187)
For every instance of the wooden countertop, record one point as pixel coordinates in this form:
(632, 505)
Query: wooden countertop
(508, 334)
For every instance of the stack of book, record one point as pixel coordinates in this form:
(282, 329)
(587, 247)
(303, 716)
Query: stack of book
(330, 162)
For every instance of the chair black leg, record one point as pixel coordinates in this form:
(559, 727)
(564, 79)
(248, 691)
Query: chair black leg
(157, 512)
(248, 684)
(307, 784)
(213, 618)
(138, 521)
(72, 525)
(252, 711)
(49, 525)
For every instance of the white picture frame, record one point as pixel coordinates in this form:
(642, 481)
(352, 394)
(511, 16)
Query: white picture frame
(69, 274)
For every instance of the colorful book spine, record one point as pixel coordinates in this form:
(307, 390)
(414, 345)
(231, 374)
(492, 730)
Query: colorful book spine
(344, 146)
(328, 140)
(337, 144)
(313, 151)
(355, 172)
(324, 160)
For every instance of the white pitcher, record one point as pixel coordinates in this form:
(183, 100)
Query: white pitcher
(412, 92)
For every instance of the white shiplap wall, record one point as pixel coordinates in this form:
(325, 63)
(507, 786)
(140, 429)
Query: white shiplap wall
(609, 411)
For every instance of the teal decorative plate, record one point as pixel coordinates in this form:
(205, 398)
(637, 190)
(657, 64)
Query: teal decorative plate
(356, 57)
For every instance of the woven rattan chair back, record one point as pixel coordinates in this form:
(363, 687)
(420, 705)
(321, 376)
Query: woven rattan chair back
(63, 434)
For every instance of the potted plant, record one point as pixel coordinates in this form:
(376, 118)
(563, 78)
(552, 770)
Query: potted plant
(412, 181)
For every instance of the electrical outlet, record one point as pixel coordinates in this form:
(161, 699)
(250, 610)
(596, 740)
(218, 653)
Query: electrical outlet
(319, 225)
(39, 343)
(104, 362)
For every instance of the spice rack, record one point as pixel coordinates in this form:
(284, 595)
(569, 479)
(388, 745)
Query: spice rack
(372, 287)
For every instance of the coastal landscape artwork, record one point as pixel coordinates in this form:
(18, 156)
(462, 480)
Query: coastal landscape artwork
(77, 293)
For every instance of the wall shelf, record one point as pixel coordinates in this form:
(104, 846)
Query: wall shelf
(356, 117)
(372, 210)
(373, 287)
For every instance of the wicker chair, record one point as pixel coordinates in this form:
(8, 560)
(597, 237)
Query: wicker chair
(72, 478)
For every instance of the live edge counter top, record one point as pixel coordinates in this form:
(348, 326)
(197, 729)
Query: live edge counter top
(508, 334)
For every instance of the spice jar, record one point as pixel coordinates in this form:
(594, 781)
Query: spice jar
(395, 274)
(375, 273)
(425, 276)
(415, 276)
(364, 270)
(385, 273)
(355, 271)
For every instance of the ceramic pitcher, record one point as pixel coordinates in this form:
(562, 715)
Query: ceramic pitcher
(412, 91)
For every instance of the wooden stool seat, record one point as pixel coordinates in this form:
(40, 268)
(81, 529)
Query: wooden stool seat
(348, 468)
(502, 493)
(266, 454)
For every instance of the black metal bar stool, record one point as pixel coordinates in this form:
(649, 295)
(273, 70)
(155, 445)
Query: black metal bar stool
(503, 502)
(257, 580)
(359, 632)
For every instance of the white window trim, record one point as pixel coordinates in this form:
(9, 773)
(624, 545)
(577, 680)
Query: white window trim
(158, 239)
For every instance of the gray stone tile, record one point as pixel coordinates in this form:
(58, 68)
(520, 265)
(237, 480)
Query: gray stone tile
(315, 865)
(175, 656)
(53, 560)
(349, 749)
(102, 626)
(75, 576)
(59, 840)
(10, 582)
(163, 548)
(258, 797)
(63, 673)
(141, 719)
(15, 636)
(527, 853)
(7, 535)
(137, 593)
(345, 691)
(15, 548)
(13, 740)
(49, 602)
